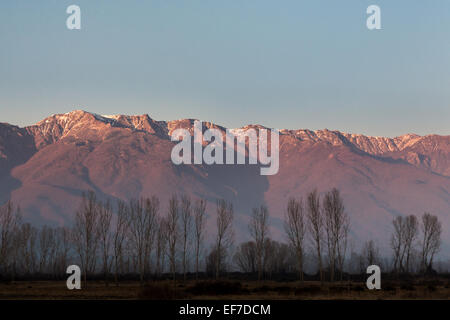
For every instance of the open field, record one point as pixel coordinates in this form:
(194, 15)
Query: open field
(167, 290)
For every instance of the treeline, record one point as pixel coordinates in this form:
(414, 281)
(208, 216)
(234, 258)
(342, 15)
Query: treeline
(414, 244)
(113, 241)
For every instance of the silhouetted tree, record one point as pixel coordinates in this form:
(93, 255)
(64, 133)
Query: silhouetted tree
(245, 257)
(85, 233)
(173, 232)
(225, 233)
(410, 235)
(431, 242)
(295, 228)
(104, 230)
(258, 228)
(186, 223)
(336, 230)
(10, 219)
(161, 245)
(120, 234)
(143, 215)
(316, 226)
(199, 230)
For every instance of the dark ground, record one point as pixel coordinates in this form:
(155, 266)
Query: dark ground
(229, 289)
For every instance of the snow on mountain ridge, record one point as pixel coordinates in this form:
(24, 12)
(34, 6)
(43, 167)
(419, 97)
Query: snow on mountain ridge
(58, 125)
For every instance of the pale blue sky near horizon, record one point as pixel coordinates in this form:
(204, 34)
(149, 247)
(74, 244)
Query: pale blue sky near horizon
(284, 64)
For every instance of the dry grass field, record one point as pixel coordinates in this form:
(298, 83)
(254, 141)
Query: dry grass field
(248, 290)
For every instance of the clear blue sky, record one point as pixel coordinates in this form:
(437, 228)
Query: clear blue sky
(285, 64)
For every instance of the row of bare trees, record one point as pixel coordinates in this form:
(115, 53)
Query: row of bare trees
(130, 237)
(414, 240)
(27, 250)
(136, 237)
(326, 224)
(321, 227)
(320, 220)
(139, 238)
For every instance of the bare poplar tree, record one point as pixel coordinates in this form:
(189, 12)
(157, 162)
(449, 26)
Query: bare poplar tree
(53, 254)
(316, 226)
(186, 223)
(225, 233)
(398, 243)
(199, 226)
(295, 228)
(270, 252)
(63, 249)
(137, 234)
(15, 248)
(410, 235)
(431, 242)
(9, 221)
(28, 240)
(342, 244)
(173, 233)
(336, 230)
(143, 215)
(259, 230)
(119, 236)
(46, 242)
(161, 244)
(151, 210)
(104, 230)
(85, 233)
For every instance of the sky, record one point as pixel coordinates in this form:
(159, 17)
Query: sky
(284, 64)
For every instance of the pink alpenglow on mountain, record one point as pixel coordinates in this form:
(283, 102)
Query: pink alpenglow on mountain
(45, 167)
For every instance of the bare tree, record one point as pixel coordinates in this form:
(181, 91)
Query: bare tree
(143, 215)
(46, 243)
(85, 233)
(342, 244)
(245, 257)
(199, 226)
(138, 225)
(259, 230)
(397, 242)
(295, 228)
(28, 239)
(215, 260)
(279, 257)
(9, 222)
(15, 248)
(316, 226)
(62, 250)
(336, 230)
(151, 210)
(410, 235)
(431, 242)
(173, 233)
(225, 233)
(104, 230)
(161, 244)
(119, 236)
(186, 223)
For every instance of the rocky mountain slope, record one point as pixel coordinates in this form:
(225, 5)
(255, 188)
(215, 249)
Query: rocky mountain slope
(45, 167)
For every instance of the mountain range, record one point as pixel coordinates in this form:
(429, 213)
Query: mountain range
(45, 167)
